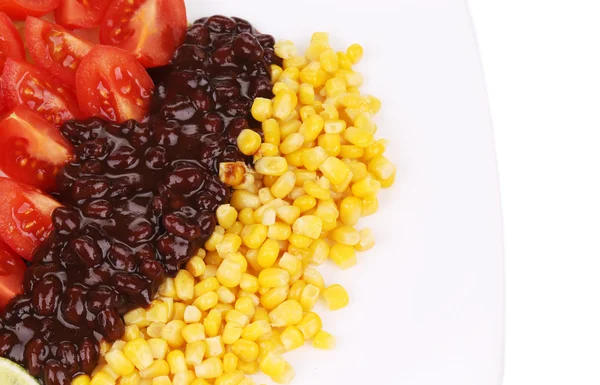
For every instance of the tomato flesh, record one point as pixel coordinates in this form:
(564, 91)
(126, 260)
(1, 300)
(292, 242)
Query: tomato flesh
(113, 85)
(10, 41)
(32, 150)
(20, 9)
(26, 220)
(55, 49)
(150, 29)
(12, 274)
(81, 13)
(24, 83)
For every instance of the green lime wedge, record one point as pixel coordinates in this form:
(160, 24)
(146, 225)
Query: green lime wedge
(13, 374)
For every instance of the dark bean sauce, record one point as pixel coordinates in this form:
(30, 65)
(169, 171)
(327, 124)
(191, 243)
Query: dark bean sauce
(139, 200)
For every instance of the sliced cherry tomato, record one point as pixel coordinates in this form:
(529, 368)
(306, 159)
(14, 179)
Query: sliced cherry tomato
(81, 13)
(26, 220)
(11, 44)
(32, 150)
(111, 84)
(12, 274)
(151, 29)
(20, 9)
(24, 83)
(55, 49)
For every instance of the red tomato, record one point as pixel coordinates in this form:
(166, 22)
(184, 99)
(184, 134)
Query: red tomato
(111, 84)
(55, 49)
(12, 274)
(32, 150)
(26, 220)
(151, 29)
(20, 9)
(11, 44)
(81, 13)
(24, 83)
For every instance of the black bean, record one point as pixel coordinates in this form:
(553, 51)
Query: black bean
(247, 47)
(67, 355)
(56, 374)
(88, 354)
(72, 306)
(45, 295)
(88, 250)
(7, 341)
(36, 354)
(220, 23)
(110, 325)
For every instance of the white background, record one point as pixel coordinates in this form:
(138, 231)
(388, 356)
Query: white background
(542, 65)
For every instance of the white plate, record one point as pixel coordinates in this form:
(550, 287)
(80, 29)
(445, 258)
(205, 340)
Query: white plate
(427, 302)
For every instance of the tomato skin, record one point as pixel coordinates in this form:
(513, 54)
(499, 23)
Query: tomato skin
(113, 85)
(26, 220)
(12, 274)
(76, 14)
(32, 150)
(11, 44)
(20, 9)
(154, 30)
(55, 49)
(24, 83)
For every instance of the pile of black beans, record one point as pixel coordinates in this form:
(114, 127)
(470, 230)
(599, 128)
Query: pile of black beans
(139, 201)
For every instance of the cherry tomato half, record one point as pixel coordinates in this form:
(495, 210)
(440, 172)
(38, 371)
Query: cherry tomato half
(12, 274)
(20, 9)
(151, 29)
(26, 219)
(113, 85)
(24, 83)
(81, 13)
(11, 44)
(55, 49)
(32, 150)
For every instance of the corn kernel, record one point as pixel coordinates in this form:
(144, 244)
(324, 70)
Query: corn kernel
(366, 188)
(346, 235)
(102, 378)
(247, 368)
(184, 286)
(305, 203)
(310, 325)
(309, 297)
(178, 311)
(247, 304)
(296, 290)
(308, 225)
(229, 274)
(273, 365)
(210, 368)
(284, 184)
(206, 285)
(237, 317)
(176, 361)
(245, 350)
(268, 165)
(236, 228)
(196, 265)
(214, 346)
(343, 255)
(319, 251)
(336, 297)
(256, 330)
(184, 378)
(81, 380)
(313, 74)
(306, 93)
(119, 363)
(230, 362)
(162, 380)
(249, 283)
(206, 300)
(291, 143)
(136, 317)
(273, 277)
(195, 352)
(381, 167)
(231, 333)
(324, 340)
(131, 333)
(241, 199)
(158, 348)
(367, 240)
(287, 313)
(274, 297)
(344, 61)
(313, 158)
(358, 136)
(132, 379)
(138, 353)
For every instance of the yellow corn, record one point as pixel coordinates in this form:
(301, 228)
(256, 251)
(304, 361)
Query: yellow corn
(331, 143)
(158, 347)
(210, 368)
(195, 352)
(315, 190)
(229, 274)
(313, 158)
(273, 277)
(336, 297)
(273, 365)
(269, 165)
(206, 300)
(370, 204)
(309, 297)
(119, 363)
(138, 353)
(162, 380)
(176, 361)
(245, 350)
(367, 240)
(196, 265)
(324, 340)
(343, 255)
(366, 188)
(309, 226)
(81, 380)
(184, 378)
(184, 285)
(305, 202)
(296, 290)
(288, 313)
(256, 235)
(284, 184)
(310, 325)
(346, 235)
(274, 297)
(132, 379)
(102, 378)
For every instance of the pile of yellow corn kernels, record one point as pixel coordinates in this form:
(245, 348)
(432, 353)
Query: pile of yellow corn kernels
(248, 297)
